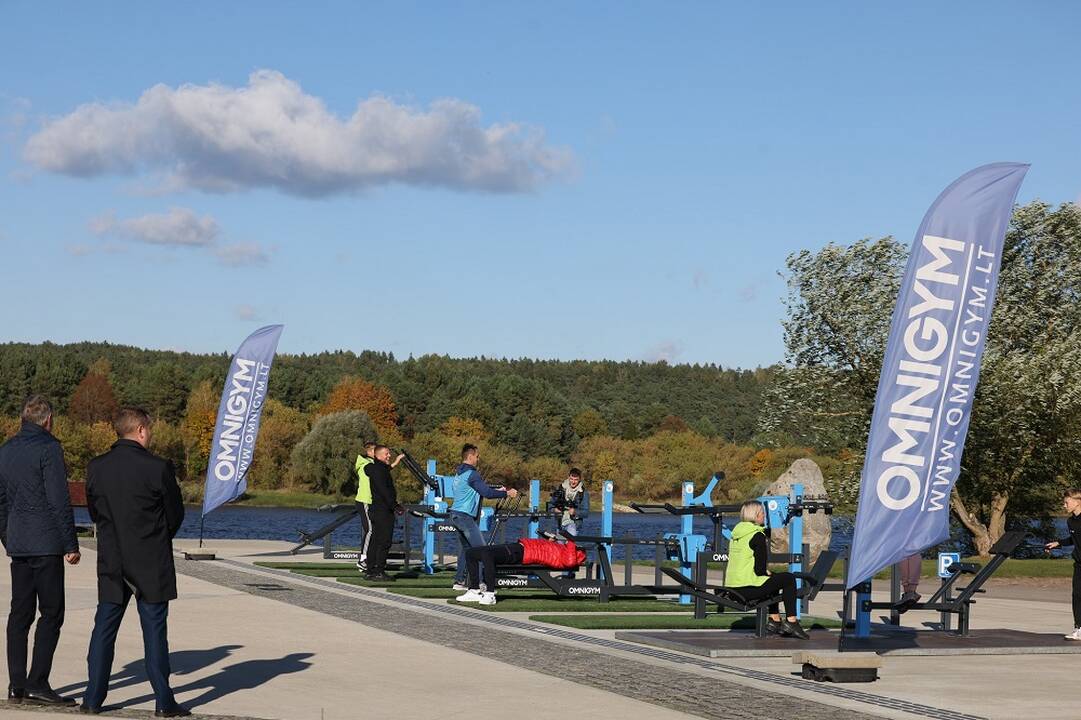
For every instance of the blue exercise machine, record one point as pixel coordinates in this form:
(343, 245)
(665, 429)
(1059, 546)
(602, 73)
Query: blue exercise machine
(434, 506)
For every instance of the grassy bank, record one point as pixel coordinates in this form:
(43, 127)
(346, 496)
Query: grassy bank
(288, 498)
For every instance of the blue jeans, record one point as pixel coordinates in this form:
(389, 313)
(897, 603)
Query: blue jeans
(153, 617)
(468, 536)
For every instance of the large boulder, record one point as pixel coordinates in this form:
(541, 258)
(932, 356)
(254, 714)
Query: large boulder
(816, 527)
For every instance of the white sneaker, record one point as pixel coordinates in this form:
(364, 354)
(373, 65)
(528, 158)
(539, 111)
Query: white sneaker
(474, 596)
(488, 598)
(459, 586)
(1075, 635)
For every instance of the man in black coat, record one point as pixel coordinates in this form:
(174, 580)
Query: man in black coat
(133, 498)
(38, 532)
(381, 512)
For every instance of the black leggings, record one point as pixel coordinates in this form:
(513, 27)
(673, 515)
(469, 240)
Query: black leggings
(1077, 594)
(489, 556)
(785, 583)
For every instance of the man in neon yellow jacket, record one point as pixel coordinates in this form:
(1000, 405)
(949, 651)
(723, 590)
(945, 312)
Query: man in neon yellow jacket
(364, 501)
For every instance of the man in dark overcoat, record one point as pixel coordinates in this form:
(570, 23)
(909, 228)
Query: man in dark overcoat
(135, 502)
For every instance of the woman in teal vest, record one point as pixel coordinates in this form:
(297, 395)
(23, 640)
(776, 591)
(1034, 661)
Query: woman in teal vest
(748, 570)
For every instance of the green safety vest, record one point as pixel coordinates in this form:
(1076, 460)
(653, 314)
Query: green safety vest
(740, 571)
(364, 483)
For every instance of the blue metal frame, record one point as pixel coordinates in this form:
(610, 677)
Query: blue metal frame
(438, 502)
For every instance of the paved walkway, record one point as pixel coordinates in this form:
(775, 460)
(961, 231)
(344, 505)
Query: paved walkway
(250, 642)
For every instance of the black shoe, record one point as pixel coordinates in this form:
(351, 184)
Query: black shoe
(381, 577)
(174, 711)
(15, 695)
(47, 697)
(776, 627)
(87, 710)
(792, 627)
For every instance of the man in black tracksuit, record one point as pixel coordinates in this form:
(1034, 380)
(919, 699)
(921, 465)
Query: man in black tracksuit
(1071, 503)
(381, 513)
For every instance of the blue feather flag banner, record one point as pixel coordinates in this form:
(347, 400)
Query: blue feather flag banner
(239, 413)
(930, 370)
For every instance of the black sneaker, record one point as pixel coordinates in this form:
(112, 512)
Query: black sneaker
(792, 627)
(775, 627)
(15, 695)
(174, 711)
(47, 697)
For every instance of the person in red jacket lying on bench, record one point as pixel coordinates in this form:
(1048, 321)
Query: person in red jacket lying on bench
(549, 553)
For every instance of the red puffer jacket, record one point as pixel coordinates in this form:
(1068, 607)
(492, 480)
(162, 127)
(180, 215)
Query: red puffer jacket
(556, 555)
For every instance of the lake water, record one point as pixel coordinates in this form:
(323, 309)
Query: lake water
(259, 523)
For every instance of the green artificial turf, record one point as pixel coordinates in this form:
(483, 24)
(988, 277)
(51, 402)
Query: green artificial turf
(444, 593)
(713, 621)
(436, 583)
(348, 573)
(307, 565)
(550, 604)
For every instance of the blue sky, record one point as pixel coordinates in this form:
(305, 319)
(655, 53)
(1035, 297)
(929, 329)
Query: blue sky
(554, 180)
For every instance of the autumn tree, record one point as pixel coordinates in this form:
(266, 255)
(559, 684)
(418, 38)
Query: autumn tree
(81, 443)
(93, 400)
(280, 430)
(197, 428)
(588, 423)
(354, 393)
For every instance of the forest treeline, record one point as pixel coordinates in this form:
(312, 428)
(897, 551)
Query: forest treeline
(646, 425)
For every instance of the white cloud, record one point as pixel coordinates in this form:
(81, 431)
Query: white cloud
(666, 350)
(239, 254)
(246, 312)
(178, 228)
(273, 134)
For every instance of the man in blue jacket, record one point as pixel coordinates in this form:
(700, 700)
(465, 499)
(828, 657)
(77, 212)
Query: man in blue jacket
(470, 489)
(38, 531)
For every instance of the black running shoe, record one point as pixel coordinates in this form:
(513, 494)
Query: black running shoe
(775, 627)
(792, 627)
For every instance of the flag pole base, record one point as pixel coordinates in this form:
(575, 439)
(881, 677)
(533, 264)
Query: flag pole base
(199, 555)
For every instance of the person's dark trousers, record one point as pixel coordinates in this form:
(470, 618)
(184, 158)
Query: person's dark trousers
(153, 617)
(365, 528)
(469, 536)
(381, 538)
(487, 557)
(784, 583)
(37, 583)
(1076, 595)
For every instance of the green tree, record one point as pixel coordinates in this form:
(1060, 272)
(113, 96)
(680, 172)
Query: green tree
(1025, 430)
(588, 423)
(280, 430)
(325, 459)
(167, 392)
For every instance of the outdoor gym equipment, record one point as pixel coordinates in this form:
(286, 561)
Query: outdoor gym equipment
(697, 552)
(402, 549)
(943, 601)
(434, 507)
